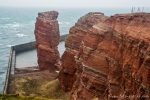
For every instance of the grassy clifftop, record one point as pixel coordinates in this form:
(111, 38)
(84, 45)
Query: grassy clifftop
(17, 97)
(36, 86)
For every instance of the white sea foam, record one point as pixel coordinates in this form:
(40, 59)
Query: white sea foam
(16, 25)
(67, 23)
(9, 45)
(21, 35)
(60, 23)
(5, 18)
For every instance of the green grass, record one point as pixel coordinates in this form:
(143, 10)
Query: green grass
(17, 97)
(32, 86)
(95, 98)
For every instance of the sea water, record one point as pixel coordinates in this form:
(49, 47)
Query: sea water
(17, 26)
(29, 58)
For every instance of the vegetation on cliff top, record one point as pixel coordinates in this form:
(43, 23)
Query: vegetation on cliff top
(17, 97)
(36, 86)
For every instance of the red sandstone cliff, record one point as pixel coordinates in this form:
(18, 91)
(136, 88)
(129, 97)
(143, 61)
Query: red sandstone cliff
(76, 35)
(108, 58)
(47, 39)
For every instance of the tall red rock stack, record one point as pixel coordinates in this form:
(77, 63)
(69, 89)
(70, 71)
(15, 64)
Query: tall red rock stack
(109, 60)
(47, 39)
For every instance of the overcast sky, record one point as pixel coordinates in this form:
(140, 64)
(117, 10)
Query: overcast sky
(75, 3)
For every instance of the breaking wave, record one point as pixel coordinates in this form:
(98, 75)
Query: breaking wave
(9, 45)
(21, 35)
(64, 22)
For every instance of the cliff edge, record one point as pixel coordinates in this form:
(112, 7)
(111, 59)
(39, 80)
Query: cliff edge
(108, 58)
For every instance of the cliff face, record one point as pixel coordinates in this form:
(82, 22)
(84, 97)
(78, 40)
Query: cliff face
(47, 39)
(108, 58)
(69, 65)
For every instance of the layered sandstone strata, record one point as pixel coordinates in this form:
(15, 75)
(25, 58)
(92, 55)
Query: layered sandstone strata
(72, 43)
(47, 39)
(109, 60)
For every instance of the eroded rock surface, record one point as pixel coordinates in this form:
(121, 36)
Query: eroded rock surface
(47, 39)
(72, 43)
(108, 58)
